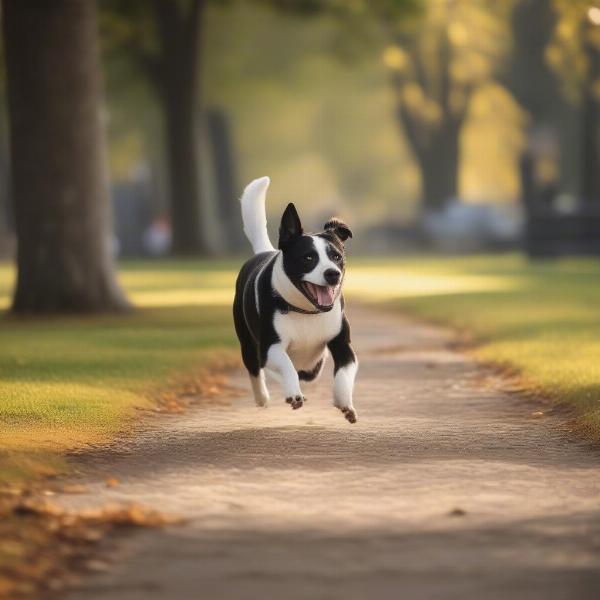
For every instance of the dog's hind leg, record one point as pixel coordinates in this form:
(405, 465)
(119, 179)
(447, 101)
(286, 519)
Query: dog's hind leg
(257, 375)
(259, 388)
(250, 358)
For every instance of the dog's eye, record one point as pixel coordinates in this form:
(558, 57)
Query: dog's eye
(309, 257)
(336, 257)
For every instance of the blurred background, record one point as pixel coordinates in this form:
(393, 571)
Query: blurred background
(454, 125)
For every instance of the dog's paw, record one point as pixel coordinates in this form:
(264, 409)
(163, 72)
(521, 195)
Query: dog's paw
(350, 414)
(261, 401)
(296, 401)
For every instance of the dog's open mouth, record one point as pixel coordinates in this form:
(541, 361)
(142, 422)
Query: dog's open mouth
(321, 295)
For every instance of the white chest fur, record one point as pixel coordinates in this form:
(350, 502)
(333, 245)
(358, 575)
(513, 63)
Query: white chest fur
(305, 336)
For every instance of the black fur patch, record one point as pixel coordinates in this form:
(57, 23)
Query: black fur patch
(290, 227)
(256, 334)
(340, 348)
(339, 228)
(312, 374)
(300, 257)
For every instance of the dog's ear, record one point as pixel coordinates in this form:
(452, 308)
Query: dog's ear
(339, 228)
(290, 225)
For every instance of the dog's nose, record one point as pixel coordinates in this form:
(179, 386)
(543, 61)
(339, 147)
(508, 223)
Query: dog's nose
(332, 276)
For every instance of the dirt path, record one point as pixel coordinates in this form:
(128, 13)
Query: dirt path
(444, 489)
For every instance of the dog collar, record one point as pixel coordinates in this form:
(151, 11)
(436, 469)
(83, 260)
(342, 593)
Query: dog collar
(286, 307)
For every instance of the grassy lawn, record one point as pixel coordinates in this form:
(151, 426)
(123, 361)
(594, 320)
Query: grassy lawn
(542, 318)
(70, 382)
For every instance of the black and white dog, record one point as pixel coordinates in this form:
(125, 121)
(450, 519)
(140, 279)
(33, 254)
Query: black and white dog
(289, 309)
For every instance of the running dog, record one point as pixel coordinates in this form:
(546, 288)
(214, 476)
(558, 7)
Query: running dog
(289, 308)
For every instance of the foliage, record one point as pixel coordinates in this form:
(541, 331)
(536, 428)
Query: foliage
(130, 51)
(576, 38)
(438, 60)
(322, 128)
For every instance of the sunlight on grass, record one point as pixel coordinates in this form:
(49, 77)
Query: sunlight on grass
(185, 297)
(7, 275)
(386, 282)
(69, 382)
(540, 317)
(179, 283)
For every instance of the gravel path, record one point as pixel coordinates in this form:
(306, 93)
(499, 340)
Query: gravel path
(446, 488)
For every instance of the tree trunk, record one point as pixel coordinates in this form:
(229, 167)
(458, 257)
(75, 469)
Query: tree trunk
(439, 163)
(590, 111)
(59, 176)
(590, 176)
(435, 146)
(180, 92)
(4, 189)
(228, 206)
(537, 88)
(437, 153)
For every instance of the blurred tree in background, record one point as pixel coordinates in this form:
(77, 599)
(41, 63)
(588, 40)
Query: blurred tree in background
(162, 38)
(393, 109)
(59, 175)
(5, 208)
(437, 63)
(574, 53)
(537, 87)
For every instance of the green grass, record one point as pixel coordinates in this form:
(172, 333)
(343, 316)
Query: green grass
(542, 318)
(69, 382)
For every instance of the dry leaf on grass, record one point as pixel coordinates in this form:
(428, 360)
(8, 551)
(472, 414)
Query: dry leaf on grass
(41, 544)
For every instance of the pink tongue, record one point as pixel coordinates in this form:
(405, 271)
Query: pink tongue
(324, 295)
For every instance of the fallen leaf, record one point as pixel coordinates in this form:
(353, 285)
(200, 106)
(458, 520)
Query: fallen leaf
(96, 565)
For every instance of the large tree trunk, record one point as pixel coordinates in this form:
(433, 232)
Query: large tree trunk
(179, 75)
(59, 177)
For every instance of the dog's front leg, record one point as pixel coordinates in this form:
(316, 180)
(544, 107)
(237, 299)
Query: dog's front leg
(279, 361)
(345, 368)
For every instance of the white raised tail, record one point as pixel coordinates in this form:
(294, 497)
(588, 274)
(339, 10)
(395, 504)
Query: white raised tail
(254, 215)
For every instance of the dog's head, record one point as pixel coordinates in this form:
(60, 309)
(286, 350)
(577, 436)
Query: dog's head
(314, 263)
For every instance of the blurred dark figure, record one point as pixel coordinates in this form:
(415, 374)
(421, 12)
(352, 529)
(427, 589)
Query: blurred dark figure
(132, 202)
